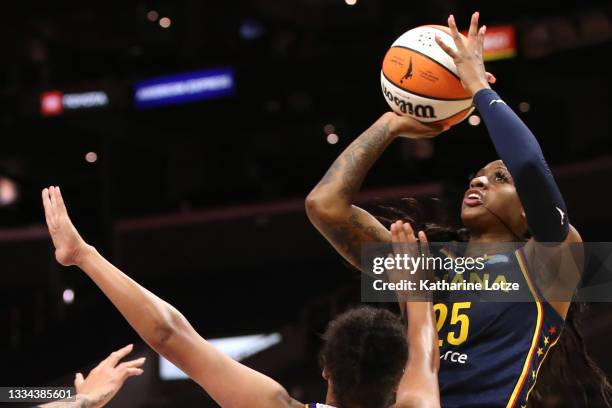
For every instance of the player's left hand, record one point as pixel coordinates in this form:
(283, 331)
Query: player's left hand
(107, 378)
(69, 246)
(468, 55)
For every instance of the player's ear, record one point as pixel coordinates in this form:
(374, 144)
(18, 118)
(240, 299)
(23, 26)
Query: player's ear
(523, 214)
(325, 374)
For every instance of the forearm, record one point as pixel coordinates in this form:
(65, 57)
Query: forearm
(329, 205)
(337, 189)
(419, 384)
(79, 402)
(518, 148)
(423, 346)
(149, 315)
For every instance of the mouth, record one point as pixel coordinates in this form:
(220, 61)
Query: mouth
(473, 198)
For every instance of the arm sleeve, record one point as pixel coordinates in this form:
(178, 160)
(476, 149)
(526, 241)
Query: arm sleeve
(519, 150)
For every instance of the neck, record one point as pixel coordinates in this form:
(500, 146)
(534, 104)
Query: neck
(491, 243)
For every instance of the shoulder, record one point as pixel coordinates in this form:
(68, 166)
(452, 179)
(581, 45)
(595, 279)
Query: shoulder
(573, 236)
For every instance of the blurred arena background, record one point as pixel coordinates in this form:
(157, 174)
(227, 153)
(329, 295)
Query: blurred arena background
(201, 200)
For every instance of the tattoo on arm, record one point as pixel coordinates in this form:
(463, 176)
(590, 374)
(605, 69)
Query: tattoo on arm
(351, 167)
(337, 190)
(80, 402)
(349, 236)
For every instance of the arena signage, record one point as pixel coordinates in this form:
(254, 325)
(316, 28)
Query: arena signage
(55, 103)
(182, 88)
(499, 43)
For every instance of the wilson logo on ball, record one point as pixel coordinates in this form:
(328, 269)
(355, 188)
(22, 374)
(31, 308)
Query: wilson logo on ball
(420, 111)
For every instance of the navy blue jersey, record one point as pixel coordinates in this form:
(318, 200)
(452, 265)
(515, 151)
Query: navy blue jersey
(491, 352)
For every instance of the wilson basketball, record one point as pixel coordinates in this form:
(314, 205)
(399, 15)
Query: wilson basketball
(420, 80)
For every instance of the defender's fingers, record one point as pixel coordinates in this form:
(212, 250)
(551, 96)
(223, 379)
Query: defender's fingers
(424, 243)
(401, 235)
(78, 381)
(131, 372)
(48, 208)
(59, 199)
(132, 363)
(399, 231)
(405, 237)
(116, 356)
(52, 197)
(473, 26)
(46, 200)
(447, 49)
(396, 243)
(409, 233)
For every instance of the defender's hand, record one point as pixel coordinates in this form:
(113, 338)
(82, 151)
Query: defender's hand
(107, 378)
(69, 246)
(404, 243)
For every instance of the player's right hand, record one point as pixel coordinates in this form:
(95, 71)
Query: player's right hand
(405, 126)
(69, 246)
(468, 55)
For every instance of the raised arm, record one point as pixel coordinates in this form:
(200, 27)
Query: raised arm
(330, 204)
(163, 327)
(545, 209)
(515, 144)
(418, 387)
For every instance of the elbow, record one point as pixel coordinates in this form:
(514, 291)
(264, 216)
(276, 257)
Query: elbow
(313, 206)
(166, 330)
(323, 210)
(163, 332)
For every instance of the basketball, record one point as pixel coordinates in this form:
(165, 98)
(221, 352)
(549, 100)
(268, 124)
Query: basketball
(420, 80)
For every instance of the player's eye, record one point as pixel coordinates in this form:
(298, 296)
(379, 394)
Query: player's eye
(501, 177)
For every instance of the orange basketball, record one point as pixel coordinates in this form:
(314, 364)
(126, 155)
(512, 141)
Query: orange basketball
(420, 80)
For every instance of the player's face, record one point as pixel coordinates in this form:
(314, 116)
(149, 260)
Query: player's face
(492, 190)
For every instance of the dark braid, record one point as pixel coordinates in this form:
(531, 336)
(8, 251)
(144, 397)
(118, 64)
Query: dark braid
(569, 377)
(415, 212)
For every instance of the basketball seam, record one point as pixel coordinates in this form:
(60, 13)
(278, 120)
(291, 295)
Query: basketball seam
(429, 58)
(422, 95)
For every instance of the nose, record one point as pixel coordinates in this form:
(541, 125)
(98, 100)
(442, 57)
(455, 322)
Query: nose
(479, 182)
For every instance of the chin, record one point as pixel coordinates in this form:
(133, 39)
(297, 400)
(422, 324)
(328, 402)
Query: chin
(470, 215)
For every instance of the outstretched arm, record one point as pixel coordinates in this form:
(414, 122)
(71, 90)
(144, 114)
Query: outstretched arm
(330, 204)
(545, 209)
(515, 144)
(418, 387)
(163, 327)
(103, 382)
